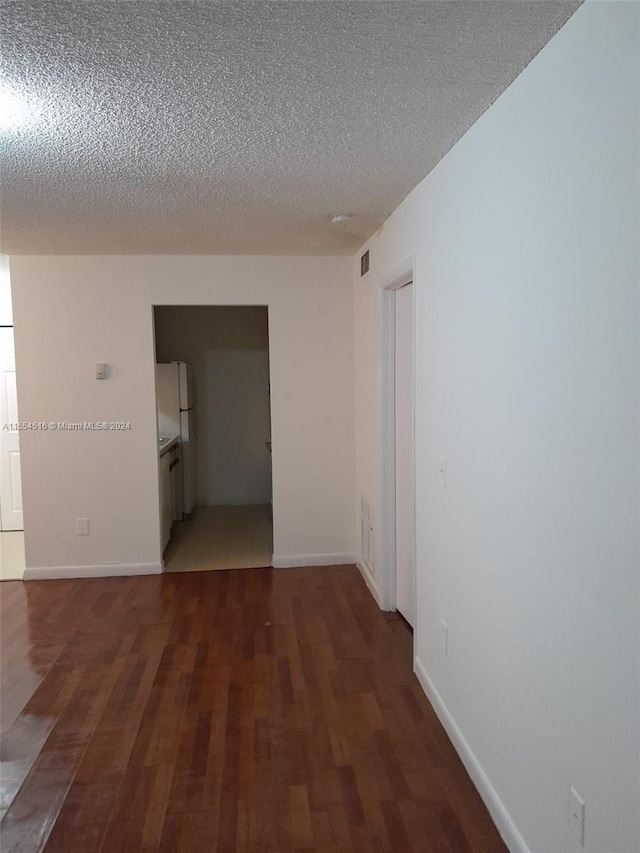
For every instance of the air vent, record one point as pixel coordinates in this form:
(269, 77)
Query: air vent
(364, 263)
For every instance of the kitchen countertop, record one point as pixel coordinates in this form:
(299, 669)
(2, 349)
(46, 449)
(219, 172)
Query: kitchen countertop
(166, 443)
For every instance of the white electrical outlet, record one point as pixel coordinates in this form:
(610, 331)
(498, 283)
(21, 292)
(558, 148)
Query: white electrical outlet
(444, 636)
(82, 526)
(576, 815)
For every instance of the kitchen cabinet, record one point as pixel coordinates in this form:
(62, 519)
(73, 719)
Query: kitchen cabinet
(170, 489)
(165, 499)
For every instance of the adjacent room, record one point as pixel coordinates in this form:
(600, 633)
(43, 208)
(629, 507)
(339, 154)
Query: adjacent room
(214, 419)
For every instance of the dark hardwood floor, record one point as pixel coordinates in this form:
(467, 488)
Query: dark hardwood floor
(259, 711)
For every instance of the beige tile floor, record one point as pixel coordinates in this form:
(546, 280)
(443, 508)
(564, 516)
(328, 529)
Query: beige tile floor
(221, 537)
(11, 555)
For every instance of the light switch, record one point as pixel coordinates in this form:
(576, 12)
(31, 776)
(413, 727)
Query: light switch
(101, 370)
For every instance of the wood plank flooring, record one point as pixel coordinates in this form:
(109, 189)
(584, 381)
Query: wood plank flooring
(221, 537)
(258, 711)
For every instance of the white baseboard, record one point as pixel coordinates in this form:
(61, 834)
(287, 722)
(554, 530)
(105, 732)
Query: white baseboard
(40, 573)
(501, 817)
(284, 562)
(369, 579)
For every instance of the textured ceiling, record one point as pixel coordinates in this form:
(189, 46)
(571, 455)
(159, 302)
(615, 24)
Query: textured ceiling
(238, 127)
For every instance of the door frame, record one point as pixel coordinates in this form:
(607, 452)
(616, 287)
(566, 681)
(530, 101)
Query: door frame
(403, 274)
(7, 354)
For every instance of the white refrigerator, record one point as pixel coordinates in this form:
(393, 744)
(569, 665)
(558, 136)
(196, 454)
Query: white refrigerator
(177, 417)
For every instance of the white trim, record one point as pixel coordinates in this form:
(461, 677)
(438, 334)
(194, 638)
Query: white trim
(291, 562)
(398, 277)
(501, 817)
(111, 570)
(369, 579)
(387, 514)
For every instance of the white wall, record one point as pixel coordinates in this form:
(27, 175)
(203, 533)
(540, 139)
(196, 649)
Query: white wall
(228, 350)
(525, 239)
(73, 311)
(238, 417)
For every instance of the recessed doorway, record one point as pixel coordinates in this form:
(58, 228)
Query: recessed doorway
(403, 441)
(224, 350)
(397, 338)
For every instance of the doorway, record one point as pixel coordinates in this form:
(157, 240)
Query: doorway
(397, 576)
(12, 556)
(228, 521)
(403, 434)
(10, 482)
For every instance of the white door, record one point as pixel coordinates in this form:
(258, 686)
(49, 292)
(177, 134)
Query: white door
(404, 450)
(10, 482)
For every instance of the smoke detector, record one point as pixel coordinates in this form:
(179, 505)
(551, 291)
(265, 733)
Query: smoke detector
(340, 218)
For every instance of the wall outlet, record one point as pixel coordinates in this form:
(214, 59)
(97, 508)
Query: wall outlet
(576, 815)
(82, 526)
(444, 636)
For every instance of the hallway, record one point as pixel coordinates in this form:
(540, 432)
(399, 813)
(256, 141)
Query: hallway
(249, 711)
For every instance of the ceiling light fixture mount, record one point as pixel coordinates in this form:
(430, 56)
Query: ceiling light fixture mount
(340, 218)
